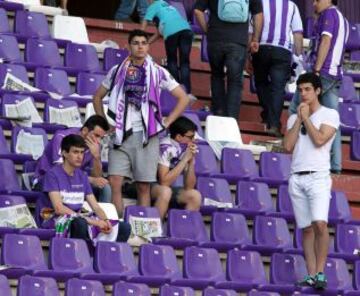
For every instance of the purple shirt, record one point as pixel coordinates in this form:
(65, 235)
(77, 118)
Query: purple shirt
(73, 189)
(281, 20)
(52, 154)
(331, 22)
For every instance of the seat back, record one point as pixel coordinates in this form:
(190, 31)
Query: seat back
(52, 80)
(214, 189)
(350, 115)
(88, 83)
(31, 24)
(347, 239)
(9, 49)
(19, 71)
(39, 286)
(339, 206)
(223, 129)
(4, 21)
(275, 165)
(43, 53)
(239, 162)
(130, 289)
(219, 292)
(5, 287)
(63, 112)
(113, 56)
(77, 287)
(347, 89)
(205, 161)
(283, 201)
(338, 274)
(8, 181)
(167, 290)
(70, 28)
(287, 269)
(82, 56)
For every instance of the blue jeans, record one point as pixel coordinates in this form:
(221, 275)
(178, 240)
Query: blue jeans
(180, 41)
(127, 7)
(330, 99)
(232, 56)
(272, 66)
(102, 194)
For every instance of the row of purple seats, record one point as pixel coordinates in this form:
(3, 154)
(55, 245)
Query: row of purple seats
(353, 42)
(202, 267)
(349, 117)
(11, 6)
(347, 91)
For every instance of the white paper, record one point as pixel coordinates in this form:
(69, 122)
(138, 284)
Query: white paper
(17, 216)
(218, 204)
(27, 180)
(28, 143)
(23, 109)
(11, 82)
(146, 228)
(68, 116)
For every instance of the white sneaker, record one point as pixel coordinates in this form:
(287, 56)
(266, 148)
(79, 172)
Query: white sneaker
(192, 97)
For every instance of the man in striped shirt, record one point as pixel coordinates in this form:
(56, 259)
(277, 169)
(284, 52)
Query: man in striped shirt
(331, 34)
(272, 63)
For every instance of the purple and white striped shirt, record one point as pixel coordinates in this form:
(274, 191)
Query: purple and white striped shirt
(331, 22)
(281, 20)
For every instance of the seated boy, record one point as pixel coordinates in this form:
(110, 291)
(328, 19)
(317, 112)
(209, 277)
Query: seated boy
(177, 156)
(68, 187)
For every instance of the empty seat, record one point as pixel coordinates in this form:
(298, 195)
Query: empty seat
(215, 193)
(42, 53)
(205, 161)
(76, 287)
(283, 204)
(52, 80)
(19, 71)
(238, 164)
(130, 289)
(157, 265)
(39, 286)
(218, 292)
(244, 271)
(140, 211)
(167, 290)
(201, 268)
(184, 228)
(274, 168)
(113, 56)
(253, 198)
(9, 183)
(70, 28)
(271, 235)
(167, 102)
(81, 57)
(23, 253)
(355, 145)
(347, 91)
(349, 117)
(29, 24)
(228, 230)
(4, 22)
(353, 41)
(9, 49)
(195, 119)
(339, 211)
(5, 202)
(88, 83)
(347, 241)
(5, 287)
(62, 112)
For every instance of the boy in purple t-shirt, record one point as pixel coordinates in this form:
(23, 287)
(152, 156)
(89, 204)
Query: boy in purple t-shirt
(68, 187)
(92, 132)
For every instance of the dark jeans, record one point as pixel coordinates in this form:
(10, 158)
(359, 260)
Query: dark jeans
(79, 229)
(272, 71)
(180, 41)
(232, 56)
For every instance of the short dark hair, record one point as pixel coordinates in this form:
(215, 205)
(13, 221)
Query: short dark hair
(137, 33)
(72, 141)
(309, 78)
(96, 120)
(334, 2)
(181, 126)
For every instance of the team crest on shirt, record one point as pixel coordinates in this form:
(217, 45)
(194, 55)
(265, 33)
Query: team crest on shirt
(133, 75)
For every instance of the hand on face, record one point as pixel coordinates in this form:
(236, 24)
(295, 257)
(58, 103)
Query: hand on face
(93, 145)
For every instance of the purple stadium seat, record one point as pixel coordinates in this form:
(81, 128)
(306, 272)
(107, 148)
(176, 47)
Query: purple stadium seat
(61, 105)
(130, 289)
(228, 230)
(339, 278)
(4, 286)
(195, 119)
(347, 242)
(252, 198)
(140, 211)
(76, 287)
(11, 6)
(113, 261)
(52, 80)
(271, 235)
(9, 49)
(349, 117)
(205, 161)
(30, 24)
(203, 49)
(298, 243)
(218, 292)
(37, 286)
(244, 270)
(339, 211)
(355, 55)
(67, 259)
(9, 201)
(81, 57)
(4, 22)
(355, 145)
(9, 183)
(353, 42)
(285, 271)
(263, 293)
(237, 164)
(213, 189)
(42, 53)
(13, 99)
(167, 102)
(113, 56)
(347, 89)
(283, 204)
(184, 228)
(356, 275)
(168, 290)
(201, 268)
(274, 168)
(23, 253)
(157, 265)
(88, 83)
(17, 70)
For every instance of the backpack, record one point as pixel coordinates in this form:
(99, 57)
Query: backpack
(233, 11)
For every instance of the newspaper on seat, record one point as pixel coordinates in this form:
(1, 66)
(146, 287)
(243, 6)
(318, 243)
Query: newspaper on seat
(16, 216)
(28, 143)
(66, 116)
(221, 132)
(144, 229)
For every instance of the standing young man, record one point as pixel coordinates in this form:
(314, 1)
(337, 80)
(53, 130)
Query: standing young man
(331, 34)
(310, 133)
(134, 106)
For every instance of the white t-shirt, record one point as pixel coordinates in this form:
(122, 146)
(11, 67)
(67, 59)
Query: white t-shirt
(306, 156)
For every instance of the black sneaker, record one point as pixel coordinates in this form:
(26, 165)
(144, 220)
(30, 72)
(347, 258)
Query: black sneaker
(320, 281)
(307, 281)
